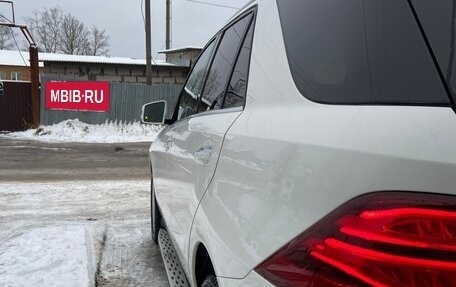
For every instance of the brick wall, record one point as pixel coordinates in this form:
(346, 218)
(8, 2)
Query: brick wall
(117, 73)
(5, 72)
(187, 58)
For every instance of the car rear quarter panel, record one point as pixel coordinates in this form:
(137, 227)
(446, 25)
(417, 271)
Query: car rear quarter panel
(251, 280)
(287, 162)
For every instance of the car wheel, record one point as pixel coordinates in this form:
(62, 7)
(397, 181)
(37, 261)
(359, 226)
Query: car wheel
(154, 214)
(210, 281)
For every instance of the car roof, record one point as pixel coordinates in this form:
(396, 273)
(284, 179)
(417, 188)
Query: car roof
(242, 9)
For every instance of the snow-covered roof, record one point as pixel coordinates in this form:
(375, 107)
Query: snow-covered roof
(182, 49)
(49, 57)
(13, 58)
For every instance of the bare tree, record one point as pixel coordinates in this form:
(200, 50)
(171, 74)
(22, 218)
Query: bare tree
(45, 26)
(6, 38)
(57, 32)
(74, 36)
(99, 42)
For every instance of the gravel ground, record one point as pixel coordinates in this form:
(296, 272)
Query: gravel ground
(76, 215)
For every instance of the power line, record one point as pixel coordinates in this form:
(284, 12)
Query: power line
(17, 46)
(142, 13)
(158, 55)
(8, 20)
(213, 4)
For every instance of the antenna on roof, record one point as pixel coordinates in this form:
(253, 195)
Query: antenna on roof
(214, 4)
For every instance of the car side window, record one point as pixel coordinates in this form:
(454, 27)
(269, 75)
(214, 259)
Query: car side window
(192, 90)
(235, 95)
(222, 65)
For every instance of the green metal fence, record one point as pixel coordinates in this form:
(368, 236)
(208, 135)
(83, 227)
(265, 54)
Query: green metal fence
(126, 102)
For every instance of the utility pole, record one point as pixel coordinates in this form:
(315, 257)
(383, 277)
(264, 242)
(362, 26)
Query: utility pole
(148, 45)
(168, 24)
(34, 84)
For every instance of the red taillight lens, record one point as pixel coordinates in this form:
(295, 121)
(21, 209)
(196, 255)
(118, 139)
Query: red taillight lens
(393, 239)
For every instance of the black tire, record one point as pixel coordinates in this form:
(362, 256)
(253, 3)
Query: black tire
(155, 216)
(210, 281)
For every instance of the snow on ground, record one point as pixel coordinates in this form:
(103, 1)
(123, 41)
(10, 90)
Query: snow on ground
(73, 198)
(71, 233)
(49, 256)
(77, 131)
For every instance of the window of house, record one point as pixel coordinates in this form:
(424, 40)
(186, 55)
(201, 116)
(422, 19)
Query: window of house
(16, 76)
(2, 76)
(222, 65)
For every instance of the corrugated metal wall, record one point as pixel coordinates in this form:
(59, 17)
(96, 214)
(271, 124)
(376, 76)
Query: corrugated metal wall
(126, 103)
(15, 106)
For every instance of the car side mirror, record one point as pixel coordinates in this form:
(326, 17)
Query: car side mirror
(154, 113)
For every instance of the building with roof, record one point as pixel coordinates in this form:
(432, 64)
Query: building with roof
(182, 56)
(14, 65)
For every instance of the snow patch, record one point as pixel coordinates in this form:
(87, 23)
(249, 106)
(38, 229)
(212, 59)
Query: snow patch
(77, 131)
(48, 256)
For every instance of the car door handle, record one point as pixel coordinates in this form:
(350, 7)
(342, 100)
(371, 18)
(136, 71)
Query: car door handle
(203, 154)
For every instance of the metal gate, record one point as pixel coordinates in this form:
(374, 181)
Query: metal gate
(15, 106)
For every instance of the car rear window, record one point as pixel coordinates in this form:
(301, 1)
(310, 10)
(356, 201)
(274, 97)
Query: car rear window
(359, 52)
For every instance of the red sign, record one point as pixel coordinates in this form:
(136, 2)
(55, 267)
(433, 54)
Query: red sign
(79, 96)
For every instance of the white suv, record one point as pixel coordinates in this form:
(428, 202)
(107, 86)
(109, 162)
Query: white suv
(314, 144)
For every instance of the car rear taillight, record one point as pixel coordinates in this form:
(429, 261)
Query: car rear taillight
(393, 239)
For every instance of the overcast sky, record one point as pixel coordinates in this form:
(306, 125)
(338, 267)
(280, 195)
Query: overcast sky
(193, 24)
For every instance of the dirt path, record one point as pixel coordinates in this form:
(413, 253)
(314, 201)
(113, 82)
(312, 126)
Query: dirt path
(38, 161)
